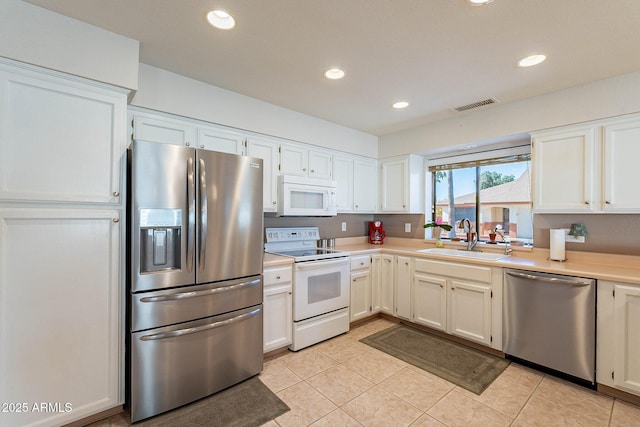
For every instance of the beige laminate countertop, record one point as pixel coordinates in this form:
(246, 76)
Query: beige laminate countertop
(619, 268)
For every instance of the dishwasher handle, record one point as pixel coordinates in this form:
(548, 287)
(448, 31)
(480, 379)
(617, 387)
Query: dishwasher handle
(558, 280)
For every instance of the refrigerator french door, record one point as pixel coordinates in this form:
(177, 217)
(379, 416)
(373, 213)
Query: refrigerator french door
(195, 279)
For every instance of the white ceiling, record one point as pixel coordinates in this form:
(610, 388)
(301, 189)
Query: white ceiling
(436, 54)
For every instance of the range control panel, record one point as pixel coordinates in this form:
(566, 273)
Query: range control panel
(296, 234)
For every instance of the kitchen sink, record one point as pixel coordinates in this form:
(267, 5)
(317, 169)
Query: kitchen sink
(464, 254)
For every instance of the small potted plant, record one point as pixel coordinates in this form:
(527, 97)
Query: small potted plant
(437, 226)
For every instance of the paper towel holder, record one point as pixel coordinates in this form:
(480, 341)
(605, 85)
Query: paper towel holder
(556, 245)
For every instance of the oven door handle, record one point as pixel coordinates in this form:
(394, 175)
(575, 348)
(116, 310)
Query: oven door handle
(313, 265)
(204, 293)
(196, 329)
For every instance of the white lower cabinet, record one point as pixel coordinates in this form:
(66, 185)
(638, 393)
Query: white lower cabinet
(360, 305)
(278, 313)
(460, 299)
(384, 283)
(403, 297)
(61, 314)
(618, 336)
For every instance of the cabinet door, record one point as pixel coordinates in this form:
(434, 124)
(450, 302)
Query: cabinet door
(278, 317)
(365, 186)
(294, 160)
(60, 141)
(60, 312)
(320, 164)
(430, 301)
(387, 284)
(163, 130)
(621, 154)
(220, 140)
(360, 305)
(376, 282)
(267, 150)
(403, 287)
(470, 311)
(343, 176)
(394, 185)
(565, 172)
(627, 338)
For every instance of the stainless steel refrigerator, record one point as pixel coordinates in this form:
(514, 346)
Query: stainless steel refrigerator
(195, 274)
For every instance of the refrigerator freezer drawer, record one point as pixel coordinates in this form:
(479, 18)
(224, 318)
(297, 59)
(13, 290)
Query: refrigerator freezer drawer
(160, 308)
(179, 364)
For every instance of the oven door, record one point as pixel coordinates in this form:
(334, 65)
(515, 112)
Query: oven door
(320, 287)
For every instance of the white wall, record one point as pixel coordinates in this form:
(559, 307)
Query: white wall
(173, 93)
(40, 37)
(596, 100)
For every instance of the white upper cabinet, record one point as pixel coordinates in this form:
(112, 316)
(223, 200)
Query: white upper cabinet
(621, 154)
(588, 168)
(299, 160)
(163, 130)
(402, 184)
(343, 176)
(365, 185)
(217, 139)
(61, 141)
(267, 150)
(564, 171)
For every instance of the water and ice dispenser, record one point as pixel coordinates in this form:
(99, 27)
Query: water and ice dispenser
(160, 239)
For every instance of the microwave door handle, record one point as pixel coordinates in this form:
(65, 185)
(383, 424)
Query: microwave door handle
(191, 211)
(203, 216)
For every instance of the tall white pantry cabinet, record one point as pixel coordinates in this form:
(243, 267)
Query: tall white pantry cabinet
(62, 170)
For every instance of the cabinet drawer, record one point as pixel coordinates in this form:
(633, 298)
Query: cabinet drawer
(476, 273)
(360, 262)
(273, 276)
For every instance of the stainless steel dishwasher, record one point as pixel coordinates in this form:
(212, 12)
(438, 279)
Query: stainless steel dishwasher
(550, 321)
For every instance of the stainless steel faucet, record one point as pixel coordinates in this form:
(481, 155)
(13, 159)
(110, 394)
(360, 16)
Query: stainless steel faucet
(472, 237)
(507, 242)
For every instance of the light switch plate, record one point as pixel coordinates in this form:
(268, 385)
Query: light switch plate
(344, 226)
(407, 227)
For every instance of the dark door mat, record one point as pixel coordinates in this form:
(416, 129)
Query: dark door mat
(249, 403)
(466, 367)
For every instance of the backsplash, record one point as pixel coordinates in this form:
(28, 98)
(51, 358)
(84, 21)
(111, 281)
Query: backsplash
(608, 233)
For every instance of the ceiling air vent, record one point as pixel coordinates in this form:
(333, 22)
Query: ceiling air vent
(476, 104)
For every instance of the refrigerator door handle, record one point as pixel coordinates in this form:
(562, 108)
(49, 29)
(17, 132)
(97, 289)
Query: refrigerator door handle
(196, 329)
(194, 294)
(203, 215)
(191, 209)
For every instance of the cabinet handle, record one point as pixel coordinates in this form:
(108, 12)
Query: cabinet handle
(289, 292)
(305, 169)
(586, 202)
(607, 202)
(356, 206)
(277, 277)
(274, 202)
(202, 146)
(187, 143)
(117, 194)
(406, 263)
(116, 219)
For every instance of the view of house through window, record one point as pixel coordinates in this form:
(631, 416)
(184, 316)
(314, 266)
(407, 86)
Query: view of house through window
(490, 193)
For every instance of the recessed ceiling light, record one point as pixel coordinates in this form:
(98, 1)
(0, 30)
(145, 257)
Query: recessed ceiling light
(221, 19)
(334, 74)
(532, 60)
(400, 105)
(479, 2)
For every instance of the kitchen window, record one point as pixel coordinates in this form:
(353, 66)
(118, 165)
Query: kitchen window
(491, 188)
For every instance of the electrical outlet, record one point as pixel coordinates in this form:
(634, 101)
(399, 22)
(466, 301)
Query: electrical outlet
(344, 226)
(572, 239)
(407, 227)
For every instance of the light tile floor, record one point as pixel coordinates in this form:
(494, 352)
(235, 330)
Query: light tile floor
(342, 382)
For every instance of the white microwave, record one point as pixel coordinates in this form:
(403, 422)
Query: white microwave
(302, 196)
